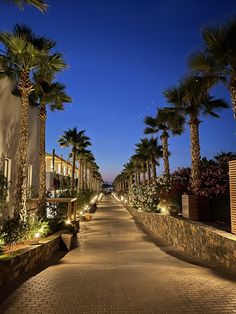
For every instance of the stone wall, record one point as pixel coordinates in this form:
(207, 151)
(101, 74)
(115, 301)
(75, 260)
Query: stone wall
(19, 262)
(193, 238)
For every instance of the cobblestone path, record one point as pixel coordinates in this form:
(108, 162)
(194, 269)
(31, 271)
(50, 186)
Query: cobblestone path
(118, 269)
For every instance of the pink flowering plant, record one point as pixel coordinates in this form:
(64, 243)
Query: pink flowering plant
(214, 180)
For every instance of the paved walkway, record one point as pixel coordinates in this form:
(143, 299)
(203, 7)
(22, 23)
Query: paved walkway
(118, 269)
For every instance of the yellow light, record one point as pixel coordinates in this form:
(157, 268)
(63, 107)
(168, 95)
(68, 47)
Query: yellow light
(68, 222)
(37, 235)
(81, 213)
(164, 210)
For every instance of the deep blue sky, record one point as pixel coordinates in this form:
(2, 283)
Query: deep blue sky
(122, 55)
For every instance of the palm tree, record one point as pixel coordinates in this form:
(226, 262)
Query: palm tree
(192, 99)
(88, 160)
(165, 121)
(54, 96)
(25, 54)
(85, 157)
(78, 141)
(39, 4)
(218, 56)
(138, 167)
(151, 152)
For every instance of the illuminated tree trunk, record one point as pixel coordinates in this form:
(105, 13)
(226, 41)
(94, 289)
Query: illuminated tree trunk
(72, 184)
(232, 88)
(164, 139)
(86, 176)
(82, 175)
(144, 174)
(195, 152)
(25, 88)
(42, 169)
(139, 179)
(154, 171)
(148, 171)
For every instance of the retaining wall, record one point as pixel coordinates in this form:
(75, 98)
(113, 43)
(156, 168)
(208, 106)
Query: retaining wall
(14, 264)
(193, 238)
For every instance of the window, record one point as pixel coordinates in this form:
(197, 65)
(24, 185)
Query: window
(7, 174)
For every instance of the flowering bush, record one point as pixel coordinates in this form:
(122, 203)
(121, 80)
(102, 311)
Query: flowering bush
(214, 180)
(180, 184)
(158, 196)
(165, 194)
(144, 197)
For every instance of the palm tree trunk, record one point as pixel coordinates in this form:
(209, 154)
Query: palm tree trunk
(195, 151)
(72, 185)
(164, 139)
(232, 88)
(25, 88)
(148, 172)
(154, 171)
(144, 174)
(82, 175)
(139, 179)
(86, 176)
(79, 178)
(42, 169)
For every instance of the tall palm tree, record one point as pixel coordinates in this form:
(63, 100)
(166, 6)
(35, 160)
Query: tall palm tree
(39, 4)
(89, 160)
(218, 56)
(151, 152)
(166, 121)
(138, 167)
(191, 98)
(54, 96)
(78, 141)
(25, 53)
(85, 157)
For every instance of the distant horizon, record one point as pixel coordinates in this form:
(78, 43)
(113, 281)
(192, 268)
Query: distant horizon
(122, 55)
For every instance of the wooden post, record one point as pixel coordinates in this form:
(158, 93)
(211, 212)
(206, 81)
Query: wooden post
(232, 185)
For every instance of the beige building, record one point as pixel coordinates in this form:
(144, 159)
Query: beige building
(58, 172)
(10, 108)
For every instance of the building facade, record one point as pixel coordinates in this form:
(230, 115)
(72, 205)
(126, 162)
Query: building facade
(10, 114)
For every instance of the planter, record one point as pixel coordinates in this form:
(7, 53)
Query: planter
(195, 207)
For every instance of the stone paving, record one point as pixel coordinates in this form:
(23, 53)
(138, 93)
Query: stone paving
(118, 269)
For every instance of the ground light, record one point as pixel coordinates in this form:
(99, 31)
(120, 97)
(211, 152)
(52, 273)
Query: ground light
(36, 238)
(100, 197)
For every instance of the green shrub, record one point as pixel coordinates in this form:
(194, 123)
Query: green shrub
(33, 227)
(15, 230)
(83, 198)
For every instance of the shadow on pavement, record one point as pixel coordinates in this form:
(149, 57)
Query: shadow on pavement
(10, 287)
(216, 269)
